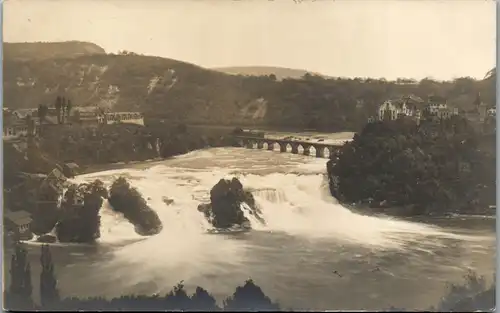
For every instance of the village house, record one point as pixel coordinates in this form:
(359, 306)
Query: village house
(437, 108)
(70, 169)
(406, 106)
(52, 185)
(18, 224)
(89, 116)
(55, 180)
(15, 126)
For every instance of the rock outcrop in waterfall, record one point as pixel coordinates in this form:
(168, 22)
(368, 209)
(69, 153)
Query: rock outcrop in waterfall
(228, 203)
(80, 220)
(127, 200)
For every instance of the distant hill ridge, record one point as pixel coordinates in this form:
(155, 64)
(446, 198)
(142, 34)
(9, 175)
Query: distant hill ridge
(280, 72)
(24, 51)
(180, 92)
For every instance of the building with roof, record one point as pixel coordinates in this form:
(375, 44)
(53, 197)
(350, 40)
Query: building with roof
(16, 126)
(55, 180)
(406, 106)
(89, 116)
(18, 223)
(123, 117)
(70, 169)
(437, 108)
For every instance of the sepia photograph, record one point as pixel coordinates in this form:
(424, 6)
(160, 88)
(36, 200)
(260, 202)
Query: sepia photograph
(249, 155)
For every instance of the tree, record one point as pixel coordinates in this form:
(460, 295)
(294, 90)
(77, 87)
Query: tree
(202, 300)
(20, 273)
(49, 294)
(63, 107)
(69, 106)
(30, 123)
(42, 114)
(58, 106)
(249, 297)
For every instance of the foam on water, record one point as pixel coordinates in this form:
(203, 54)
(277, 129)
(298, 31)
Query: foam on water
(292, 194)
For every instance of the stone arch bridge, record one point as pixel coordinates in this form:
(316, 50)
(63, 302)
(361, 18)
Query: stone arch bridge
(267, 143)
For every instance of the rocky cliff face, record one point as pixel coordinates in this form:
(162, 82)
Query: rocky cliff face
(162, 87)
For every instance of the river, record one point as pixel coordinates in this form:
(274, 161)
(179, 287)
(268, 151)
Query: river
(308, 235)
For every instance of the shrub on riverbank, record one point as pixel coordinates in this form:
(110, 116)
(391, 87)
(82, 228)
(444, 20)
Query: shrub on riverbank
(80, 220)
(436, 167)
(473, 294)
(225, 208)
(127, 200)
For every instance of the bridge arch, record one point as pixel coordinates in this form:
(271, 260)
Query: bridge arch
(300, 148)
(271, 145)
(283, 146)
(306, 149)
(321, 151)
(312, 150)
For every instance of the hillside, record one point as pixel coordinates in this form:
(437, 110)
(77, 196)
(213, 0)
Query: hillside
(46, 50)
(280, 72)
(183, 92)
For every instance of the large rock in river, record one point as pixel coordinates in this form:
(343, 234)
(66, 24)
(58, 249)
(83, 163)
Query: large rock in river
(228, 199)
(80, 221)
(127, 200)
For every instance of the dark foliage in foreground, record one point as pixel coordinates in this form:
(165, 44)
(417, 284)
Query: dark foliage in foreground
(472, 295)
(127, 200)
(435, 167)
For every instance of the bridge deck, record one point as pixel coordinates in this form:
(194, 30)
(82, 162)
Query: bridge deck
(302, 142)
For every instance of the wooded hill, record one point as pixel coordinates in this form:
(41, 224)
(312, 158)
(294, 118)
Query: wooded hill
(183, 92)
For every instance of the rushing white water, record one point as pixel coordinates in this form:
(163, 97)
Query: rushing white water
(291, 191)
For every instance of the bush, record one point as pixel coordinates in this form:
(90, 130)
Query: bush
(472, 295)
(127, 200)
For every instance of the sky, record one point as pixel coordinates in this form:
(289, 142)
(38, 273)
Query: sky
(346, 38)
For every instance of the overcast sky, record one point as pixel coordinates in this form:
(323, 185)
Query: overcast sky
(355, 38)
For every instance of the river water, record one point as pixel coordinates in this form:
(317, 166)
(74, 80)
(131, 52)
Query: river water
(308, 235)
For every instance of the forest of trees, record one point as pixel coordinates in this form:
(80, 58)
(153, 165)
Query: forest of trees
(473, 295)
(431, 168)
